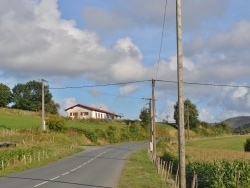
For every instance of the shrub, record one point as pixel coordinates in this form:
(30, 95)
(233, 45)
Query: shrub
(113, 134)
(56, 123)
(91, 135)
(247, 145)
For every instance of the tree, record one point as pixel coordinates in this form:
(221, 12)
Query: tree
(145, 116)
(29, 97)
(247, 145)
(190, 114)
(52, 107)
(5, 95)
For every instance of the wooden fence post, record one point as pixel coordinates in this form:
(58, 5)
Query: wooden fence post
(238, 179)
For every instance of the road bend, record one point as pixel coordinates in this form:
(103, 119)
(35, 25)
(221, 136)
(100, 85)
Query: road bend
(95, 167)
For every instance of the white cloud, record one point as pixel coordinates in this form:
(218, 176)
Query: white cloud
(150, 14)
(206, 115)
(66, 103)
(167, 112)
(102, 106)
(128, 89)
(39, 42)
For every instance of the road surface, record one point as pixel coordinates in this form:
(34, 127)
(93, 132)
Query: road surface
(95, 167)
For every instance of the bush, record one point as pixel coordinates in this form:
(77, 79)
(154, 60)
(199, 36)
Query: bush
(56, 123)
(91, 135)
(247, 145)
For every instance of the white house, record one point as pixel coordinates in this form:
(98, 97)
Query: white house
(83, 111)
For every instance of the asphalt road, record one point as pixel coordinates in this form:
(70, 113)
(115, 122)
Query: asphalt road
(95, 167)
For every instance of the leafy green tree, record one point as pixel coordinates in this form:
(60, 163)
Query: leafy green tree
(5, 95)
(223, 126)
(52, 107)
(145, 116)
(247, 145)
(29, 97)
(190, 114)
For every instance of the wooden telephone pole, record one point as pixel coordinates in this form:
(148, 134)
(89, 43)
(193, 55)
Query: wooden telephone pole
(43, 120)
(153, 118)
(181, 133)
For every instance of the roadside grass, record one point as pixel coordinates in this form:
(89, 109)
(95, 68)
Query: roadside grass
(35, 148)
(164, 130)
(139, 172)
(35, 164)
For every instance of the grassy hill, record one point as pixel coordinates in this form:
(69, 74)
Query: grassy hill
(238, 122)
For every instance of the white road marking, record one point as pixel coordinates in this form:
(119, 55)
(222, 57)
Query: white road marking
(74, 168)
(41, 184)
(55, 178)
(65, 173)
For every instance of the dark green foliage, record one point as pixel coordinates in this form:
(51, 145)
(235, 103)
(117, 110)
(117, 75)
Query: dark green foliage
(113, 134)
(247, 145)
(125, 136)
(145, 117)
(134, 131)
(56, 123)
(91, 135)
(29, 97)
(190, 114)
(224, 126)
(5, 95)
(52, 107)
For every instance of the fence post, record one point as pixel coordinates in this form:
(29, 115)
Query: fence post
(238, 179)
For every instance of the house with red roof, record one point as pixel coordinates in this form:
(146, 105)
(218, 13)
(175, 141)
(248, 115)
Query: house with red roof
(83, 111)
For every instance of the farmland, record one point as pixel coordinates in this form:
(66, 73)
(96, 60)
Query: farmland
(36, 147)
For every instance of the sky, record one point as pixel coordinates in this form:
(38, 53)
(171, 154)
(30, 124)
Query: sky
(77, 43)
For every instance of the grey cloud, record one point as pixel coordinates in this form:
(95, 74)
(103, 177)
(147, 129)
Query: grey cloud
(150, 14)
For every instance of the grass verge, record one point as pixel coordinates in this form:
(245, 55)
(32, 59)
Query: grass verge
(140, 172)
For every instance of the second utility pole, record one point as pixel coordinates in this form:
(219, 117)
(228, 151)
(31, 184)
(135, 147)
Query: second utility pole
(181, 133)
(153, 118)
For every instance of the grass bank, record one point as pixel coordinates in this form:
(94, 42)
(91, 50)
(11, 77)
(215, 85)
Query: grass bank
(139, 172)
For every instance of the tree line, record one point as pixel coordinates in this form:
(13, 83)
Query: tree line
(191, 120)
(28, 96)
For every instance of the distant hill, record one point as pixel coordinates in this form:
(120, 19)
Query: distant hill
(238, 122)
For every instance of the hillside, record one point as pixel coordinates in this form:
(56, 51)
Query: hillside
(237, 122)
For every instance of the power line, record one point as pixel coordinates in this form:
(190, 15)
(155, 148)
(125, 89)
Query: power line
(163, 27)
(124, 83)
(206, 84)
(100, 85)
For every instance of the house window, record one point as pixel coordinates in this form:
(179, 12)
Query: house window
(75, 114)
(70, 114)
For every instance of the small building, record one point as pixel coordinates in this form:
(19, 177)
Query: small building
(83, 111)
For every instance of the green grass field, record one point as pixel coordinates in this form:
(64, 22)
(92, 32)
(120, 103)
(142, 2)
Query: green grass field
(223, 143)
(18, 119)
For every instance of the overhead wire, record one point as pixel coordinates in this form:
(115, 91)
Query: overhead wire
(162, 34)
(99, 85)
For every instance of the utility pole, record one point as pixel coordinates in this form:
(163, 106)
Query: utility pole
(188, 122)
(151, 139)
(153, 118)
(43, 120)
(181, 134)
(151, 126)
